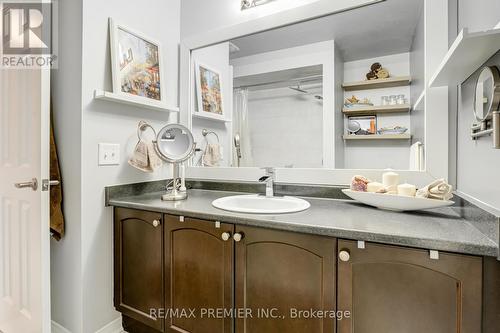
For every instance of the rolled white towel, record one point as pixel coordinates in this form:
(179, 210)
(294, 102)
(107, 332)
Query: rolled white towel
(438, 189)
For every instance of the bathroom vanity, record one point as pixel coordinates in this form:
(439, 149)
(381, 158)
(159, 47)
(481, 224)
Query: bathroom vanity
(376, 271)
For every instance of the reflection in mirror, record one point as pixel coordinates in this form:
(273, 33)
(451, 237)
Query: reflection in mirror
(278, 118)
(333, 92)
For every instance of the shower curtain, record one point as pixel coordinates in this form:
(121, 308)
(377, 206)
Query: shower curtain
(241, 127)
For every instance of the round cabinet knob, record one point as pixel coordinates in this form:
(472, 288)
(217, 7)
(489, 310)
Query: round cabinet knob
(344, 255)
(225, 236)
(156, 223)
(237, 237)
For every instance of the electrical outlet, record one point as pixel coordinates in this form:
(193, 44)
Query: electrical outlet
(109, 154)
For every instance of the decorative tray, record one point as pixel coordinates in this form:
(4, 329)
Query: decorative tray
(396, 203)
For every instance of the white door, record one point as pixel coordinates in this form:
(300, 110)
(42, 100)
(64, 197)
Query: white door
(24, 212)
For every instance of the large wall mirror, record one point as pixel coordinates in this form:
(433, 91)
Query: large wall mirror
(337, 92)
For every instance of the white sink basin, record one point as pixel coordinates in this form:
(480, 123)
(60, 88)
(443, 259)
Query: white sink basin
(259, 204)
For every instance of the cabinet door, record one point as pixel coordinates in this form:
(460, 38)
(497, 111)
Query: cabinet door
(199, 270)
(279, 272)
(139, 279)
(390, 289)
(491, 295)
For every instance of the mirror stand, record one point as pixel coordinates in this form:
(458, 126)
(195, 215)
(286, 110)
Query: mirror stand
(175, 144)
(175, 194)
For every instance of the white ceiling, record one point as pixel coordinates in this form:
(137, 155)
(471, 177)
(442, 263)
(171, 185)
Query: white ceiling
(280, 79)
(380, 29)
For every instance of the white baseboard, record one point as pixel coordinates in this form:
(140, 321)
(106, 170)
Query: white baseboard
(113, 327)
(56, 328)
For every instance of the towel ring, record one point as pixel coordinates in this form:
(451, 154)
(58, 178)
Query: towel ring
(142, 127)
(205, 133)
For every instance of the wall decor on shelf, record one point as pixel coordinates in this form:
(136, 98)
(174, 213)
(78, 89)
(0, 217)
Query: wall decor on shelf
(377, 72)
(209, 93)
(366, 125)
(136, 64)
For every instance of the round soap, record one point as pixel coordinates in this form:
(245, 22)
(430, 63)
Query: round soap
(374, 187)
(407, 190)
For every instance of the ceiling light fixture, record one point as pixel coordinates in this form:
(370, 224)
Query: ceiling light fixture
(247, 4)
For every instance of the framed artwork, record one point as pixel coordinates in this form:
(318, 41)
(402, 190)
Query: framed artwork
(209, 92)
(136, 63)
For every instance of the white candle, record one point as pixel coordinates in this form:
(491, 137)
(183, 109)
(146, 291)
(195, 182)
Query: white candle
(374, 187)
(407, 190)
(390, 180)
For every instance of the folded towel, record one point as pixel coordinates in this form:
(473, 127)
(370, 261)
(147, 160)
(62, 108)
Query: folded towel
(212, 155)
(438, 189)
(417, 156)
(56, 197)
(145, 157)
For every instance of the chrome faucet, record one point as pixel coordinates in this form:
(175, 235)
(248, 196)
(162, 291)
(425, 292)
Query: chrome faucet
(269, 180)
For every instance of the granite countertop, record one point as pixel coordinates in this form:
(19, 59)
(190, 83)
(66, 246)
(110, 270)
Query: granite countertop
(438, 229)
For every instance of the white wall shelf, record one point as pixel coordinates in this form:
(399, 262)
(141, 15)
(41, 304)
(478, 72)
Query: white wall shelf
(467, 53)
(420, 103)
(372, 110)
(377, 84)
(378, 137)
(137, 101)
(210, 117)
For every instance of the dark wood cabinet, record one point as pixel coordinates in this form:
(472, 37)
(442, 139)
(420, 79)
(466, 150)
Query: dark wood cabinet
(176, 274)
(391, 289)
(138, 272)
(491, 295)
(199, 270)
(278, 272)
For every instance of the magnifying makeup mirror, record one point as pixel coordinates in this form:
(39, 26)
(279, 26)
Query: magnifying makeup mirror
(487, 94)
(175, 144)
(487, 105)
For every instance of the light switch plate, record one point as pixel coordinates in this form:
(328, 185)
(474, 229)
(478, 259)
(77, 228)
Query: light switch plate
(109, 154)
